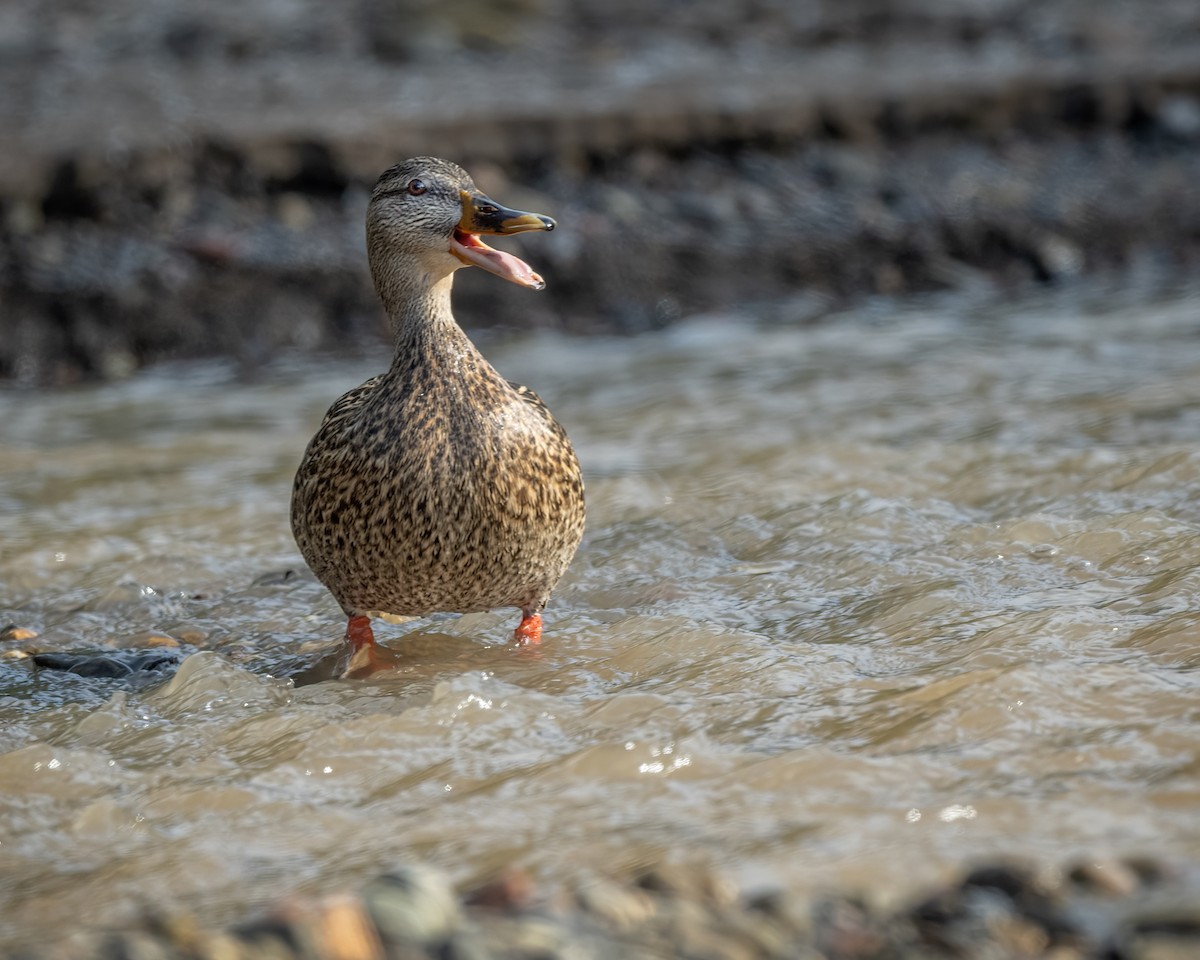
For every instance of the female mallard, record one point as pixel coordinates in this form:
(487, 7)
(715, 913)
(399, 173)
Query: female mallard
(439, 485)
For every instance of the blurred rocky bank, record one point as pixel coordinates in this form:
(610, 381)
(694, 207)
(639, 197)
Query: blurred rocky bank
(183, 180)
(1095, 910)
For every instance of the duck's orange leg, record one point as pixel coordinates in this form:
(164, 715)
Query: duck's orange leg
(359, 633)
(364, 652)
(530, 630)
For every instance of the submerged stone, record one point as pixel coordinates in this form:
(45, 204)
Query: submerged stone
(110, 664)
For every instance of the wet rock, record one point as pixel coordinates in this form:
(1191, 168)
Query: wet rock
(276, 937)
(687, 883)
(111, 664)
(413, 905)
(13, 632)
(614, 905)
(1004, 903)
(781, 907)
(1109, 878)
(150, 638)
(274, 577)
(335, 927)
(844, 927)
(512, 889)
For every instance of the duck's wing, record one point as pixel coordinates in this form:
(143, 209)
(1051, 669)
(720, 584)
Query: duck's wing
(331, 435)
(348, 404)
(537, 404)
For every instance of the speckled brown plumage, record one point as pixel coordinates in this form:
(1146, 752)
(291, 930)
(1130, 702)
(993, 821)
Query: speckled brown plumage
(438, 485)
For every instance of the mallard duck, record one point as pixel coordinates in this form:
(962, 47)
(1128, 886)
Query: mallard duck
(438, 485)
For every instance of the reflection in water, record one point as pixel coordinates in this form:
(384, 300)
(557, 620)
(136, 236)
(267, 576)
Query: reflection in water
(856, 602)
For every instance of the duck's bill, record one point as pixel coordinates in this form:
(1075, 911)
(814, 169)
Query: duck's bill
(482, 215)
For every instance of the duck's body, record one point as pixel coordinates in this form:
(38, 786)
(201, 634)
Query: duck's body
(438, 485)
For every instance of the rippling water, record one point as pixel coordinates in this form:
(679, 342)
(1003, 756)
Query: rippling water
(857, 602)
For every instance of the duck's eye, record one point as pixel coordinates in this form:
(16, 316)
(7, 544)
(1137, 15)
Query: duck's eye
(417, 187)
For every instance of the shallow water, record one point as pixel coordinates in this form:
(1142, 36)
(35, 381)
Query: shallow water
(858, 602)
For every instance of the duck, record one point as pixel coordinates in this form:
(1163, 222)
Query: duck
(439, 485)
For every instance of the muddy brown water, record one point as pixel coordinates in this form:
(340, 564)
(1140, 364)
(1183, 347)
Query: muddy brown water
(858, 602)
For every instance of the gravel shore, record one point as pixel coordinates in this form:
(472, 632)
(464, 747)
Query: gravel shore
(1114, 910)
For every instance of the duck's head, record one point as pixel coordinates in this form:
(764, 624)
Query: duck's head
(430, 213)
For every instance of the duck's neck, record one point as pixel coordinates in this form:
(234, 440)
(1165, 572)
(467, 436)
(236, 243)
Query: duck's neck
(420, 316)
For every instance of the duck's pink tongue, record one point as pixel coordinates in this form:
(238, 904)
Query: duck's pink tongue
(474, 252)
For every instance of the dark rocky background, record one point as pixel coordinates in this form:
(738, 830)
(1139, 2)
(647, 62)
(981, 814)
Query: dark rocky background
(180, 179)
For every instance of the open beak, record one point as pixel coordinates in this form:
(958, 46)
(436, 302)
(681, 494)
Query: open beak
(483, 215)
